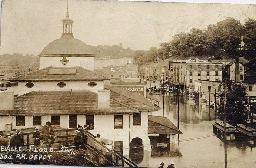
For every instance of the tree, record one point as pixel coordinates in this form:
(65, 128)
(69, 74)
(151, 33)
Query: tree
(190, 44)
(224, 37)
(179, 46)
(250, 38)
(164, 51)
(236, 112)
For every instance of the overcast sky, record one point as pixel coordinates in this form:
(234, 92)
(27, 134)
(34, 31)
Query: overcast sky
(29, 25)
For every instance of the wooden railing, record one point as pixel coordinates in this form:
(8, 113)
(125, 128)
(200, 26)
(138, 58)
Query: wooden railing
(115, 156)
(95, 152)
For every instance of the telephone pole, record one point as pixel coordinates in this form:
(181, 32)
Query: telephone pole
(224, 120)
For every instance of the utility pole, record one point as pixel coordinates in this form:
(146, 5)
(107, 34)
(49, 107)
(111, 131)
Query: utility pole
(225, 136)
(209, 89)
(163, 102)
(163, 90)
(251, 113)
(215, 105)
(178, 125)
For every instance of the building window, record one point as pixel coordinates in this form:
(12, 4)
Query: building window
(216, 73)
(241, 77)
(216, 66)
(199, 73)
(118, 146)
(118, 121)
(29, 84)
(199, 66)
(90, 122)
(207, 73)
(190, 73)
(36, 120)
(92, 84)
(20, 120)
(190, 80)
(61, 84)
(240, 68)
(207, 66)
(55, 120)
(190, 66)
(136, 119)
(250, 88)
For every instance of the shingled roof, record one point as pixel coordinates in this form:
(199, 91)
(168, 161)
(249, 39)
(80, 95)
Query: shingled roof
(75, 102)
(64, 102)
(161, 125)
(130, 98)
(62, 74)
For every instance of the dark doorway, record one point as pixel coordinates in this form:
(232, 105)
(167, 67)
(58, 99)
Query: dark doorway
(72, 121)
(136, 150)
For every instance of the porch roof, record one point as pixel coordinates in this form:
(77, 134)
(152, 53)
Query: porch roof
(161, 125)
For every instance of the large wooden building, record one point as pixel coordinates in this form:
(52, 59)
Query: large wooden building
(66, 92)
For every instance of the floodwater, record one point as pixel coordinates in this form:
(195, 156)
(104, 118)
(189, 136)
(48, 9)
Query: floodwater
(198, 146)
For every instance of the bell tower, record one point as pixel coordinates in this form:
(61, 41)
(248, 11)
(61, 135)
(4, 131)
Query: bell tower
(67, 24)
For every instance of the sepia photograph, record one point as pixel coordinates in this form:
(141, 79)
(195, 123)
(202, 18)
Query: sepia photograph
(161, 84)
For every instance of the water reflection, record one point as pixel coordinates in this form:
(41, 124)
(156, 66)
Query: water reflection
(198, 145)
(189, 111)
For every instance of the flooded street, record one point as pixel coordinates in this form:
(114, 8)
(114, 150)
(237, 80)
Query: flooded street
(198, 146)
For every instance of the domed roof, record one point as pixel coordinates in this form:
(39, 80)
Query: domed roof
(66, 45)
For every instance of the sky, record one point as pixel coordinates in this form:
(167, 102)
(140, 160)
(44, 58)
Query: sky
(27, 26)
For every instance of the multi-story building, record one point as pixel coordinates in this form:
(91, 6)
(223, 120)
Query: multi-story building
(66, 91)
(154, 71)
(202, 70)
(236, 70)
(187, 72)
(177, 72)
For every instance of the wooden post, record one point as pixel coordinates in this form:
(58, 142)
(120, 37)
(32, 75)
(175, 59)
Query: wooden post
(66, 136)
(215, 103)
(27, 141)
(178, 95)
(225, 136)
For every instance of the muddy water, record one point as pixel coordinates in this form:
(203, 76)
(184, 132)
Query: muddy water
(198, 145)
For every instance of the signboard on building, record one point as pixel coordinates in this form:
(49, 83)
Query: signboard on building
(133, 88)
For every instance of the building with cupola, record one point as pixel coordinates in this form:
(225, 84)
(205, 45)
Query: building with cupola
(67, 92)
(67, 51)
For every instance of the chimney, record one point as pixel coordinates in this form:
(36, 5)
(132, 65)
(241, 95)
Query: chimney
(103, 99)
(6, 100)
